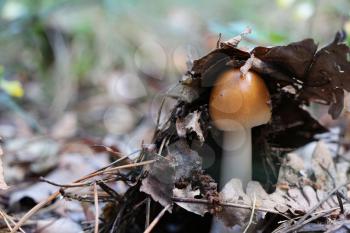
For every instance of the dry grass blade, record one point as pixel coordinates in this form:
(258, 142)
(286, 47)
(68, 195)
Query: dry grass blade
(9, 218)
(157, 219)
(303, 220)
(108, 171)
(243, 206)
(251, 216)
(96, 208)
(6, 221)
(148, 210)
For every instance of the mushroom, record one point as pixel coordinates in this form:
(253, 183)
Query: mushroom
(237, 104)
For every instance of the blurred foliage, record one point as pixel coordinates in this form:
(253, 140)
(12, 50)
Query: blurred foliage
(12, 88)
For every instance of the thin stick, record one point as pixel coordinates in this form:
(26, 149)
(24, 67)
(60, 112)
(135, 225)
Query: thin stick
(5, 219)
(157, 219)
(251, 216)
(161, 146)
(96, 207)
(229, 204)
(340, 203)
(148, 212)
(73, 185)
(127, 166)
(8, 217)
(160, 113)
(108, 149)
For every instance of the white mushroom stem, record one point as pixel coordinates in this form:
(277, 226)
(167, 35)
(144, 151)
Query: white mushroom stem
(237, 156)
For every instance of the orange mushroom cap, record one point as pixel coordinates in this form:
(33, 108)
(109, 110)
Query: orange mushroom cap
(238, 101)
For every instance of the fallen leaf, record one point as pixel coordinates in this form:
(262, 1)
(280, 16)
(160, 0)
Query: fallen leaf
(179, 164)
(233, 192)
(294, 58)
(328, 75)
(190, 124)
(160, 180)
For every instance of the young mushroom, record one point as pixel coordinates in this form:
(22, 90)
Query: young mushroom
(237, 104)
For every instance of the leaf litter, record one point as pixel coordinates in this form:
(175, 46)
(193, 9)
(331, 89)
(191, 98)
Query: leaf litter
(169, 172)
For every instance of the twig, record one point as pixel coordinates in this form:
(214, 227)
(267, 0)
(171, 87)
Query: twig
(157, 219)
(73, 185)
(161, 146)
(84, 184)
(5, 219)
(108, 149)
(8, 217)
(251, 216)
(96, 208)
(228, 204)
(247, 65)
(111, 170)
(160, 112)
(341, 206)
(148, 210)
(235, 40)
(111, 192)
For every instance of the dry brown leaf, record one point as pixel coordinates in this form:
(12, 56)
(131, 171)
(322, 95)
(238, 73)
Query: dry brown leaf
(190, 124)
(233, 193)
(160, 180)
(180, 163)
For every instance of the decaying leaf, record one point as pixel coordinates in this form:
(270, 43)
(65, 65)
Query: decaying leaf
(159, 182)
(190, 124)
(294, 59)
(233, 193)
(179, 164)
(328, 75)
